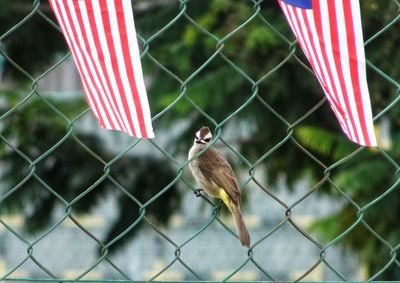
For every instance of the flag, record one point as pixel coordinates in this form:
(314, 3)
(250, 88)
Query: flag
(330, 34)
(102, 38)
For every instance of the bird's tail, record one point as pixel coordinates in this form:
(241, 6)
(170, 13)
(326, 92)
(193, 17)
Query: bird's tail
(240, 225)
(236, 212)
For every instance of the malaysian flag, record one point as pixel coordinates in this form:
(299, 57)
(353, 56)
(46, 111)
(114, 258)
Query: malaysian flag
(102, 38)
(330, 35)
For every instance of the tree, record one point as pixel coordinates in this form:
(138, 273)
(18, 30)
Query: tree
(48, 165)
(27, 37)
(220, 89)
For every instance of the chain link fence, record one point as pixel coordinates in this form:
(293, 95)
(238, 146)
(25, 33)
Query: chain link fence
(31, 92)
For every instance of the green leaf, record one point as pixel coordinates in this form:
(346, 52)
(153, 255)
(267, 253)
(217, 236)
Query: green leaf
(317, 139)
(362, 177)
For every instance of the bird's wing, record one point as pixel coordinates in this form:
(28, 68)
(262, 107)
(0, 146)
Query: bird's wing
(215, 167)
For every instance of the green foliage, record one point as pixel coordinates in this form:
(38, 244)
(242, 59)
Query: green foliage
(322, 141)
(34, 36)
(260, 39)
(363, 178)
(220, 88)
(291, 91)
(70, 170)
(358, 177)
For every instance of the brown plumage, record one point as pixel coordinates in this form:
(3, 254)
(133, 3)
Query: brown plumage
(216, 169)
(215, 176)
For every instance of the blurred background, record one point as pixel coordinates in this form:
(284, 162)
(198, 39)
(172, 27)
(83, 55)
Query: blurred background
(80, 202)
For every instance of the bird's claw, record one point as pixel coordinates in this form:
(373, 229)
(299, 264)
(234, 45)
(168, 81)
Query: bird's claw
(197, 192)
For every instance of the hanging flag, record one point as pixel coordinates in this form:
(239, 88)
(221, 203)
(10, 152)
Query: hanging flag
(102, 38)
(330, 35)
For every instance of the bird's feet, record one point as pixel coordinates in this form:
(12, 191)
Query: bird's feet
(197, 192)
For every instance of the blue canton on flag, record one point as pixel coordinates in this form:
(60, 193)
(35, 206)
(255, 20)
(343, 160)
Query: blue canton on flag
(303, 4)
(330, 34)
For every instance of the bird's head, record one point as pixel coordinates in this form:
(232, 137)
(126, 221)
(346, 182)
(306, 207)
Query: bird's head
(203, 137)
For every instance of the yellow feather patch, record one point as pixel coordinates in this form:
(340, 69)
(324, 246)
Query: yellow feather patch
(225, 198)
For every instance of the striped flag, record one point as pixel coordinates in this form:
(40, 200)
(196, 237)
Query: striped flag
(330, 35)
(102, 38)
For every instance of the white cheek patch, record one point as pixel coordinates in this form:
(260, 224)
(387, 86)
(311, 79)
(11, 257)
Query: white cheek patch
(198, 134)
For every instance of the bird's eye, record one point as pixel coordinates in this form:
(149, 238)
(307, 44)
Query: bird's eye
(196, 138)
(207, 140)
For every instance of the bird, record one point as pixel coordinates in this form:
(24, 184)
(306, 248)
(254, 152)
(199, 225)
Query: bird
(216, 177)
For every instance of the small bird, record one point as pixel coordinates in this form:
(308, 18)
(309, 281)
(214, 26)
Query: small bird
(215, 176)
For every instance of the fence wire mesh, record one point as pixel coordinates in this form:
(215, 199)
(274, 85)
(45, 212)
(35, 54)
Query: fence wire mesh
(288, 137)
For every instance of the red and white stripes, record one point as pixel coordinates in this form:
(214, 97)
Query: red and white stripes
(102, 38)
(330, 35)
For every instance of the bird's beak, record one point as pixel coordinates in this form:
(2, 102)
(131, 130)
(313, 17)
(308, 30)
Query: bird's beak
(201, 141)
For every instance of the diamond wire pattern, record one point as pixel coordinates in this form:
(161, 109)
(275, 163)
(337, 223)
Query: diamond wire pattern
(289, 138)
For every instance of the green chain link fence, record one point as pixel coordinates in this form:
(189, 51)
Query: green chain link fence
(33, 92)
